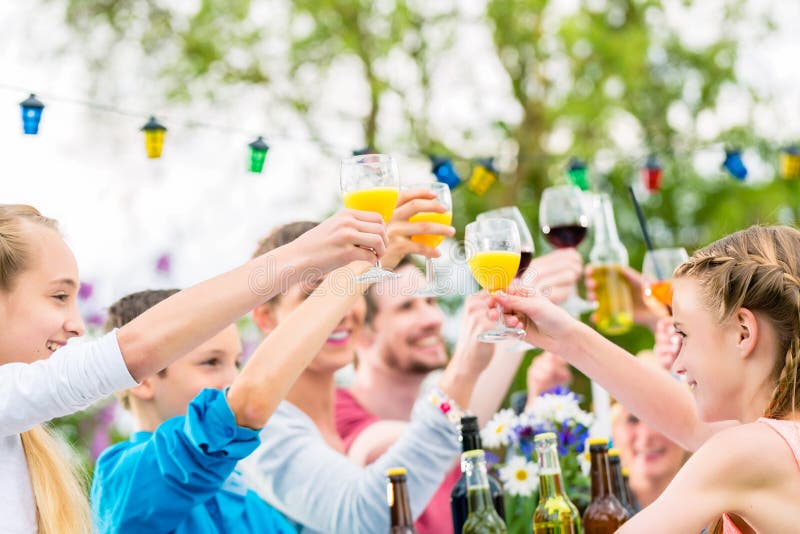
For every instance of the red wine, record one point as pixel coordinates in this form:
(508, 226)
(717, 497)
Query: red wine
(525, 258)
(565, 236)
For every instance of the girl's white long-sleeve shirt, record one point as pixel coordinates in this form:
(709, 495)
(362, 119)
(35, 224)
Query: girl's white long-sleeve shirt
(71, 379)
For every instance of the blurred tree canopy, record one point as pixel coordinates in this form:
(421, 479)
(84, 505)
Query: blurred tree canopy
(607, 80)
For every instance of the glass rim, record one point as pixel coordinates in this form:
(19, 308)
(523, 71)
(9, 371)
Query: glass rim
(424, 185)
(353, 160)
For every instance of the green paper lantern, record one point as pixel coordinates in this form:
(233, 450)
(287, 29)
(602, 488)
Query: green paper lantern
(258, 153)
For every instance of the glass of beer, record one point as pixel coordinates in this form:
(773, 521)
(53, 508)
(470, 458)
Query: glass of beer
(493, 254)
(442, 192)
(371, 182)
(657, 269)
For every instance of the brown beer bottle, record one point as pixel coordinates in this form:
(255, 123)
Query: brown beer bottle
(617, 482)
(399, 507)
(605, 514)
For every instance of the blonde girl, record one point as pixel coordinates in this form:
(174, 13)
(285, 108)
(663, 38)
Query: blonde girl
(737, 308)
(42, 378)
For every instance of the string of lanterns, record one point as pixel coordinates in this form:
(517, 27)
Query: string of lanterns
(483, 174)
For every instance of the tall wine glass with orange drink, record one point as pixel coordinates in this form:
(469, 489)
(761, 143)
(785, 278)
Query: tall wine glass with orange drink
(657, 269)
(442, 192)
(493, 256)
(370, 182)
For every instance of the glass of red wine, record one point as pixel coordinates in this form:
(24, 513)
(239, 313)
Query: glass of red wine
(564, 219)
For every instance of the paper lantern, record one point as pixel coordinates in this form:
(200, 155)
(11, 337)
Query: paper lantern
(258, 153)
(483, 176)
(578, 174)
(445, 172)
(790, 162)
(153, 137)
(652, 174)
(734, 165)
(31, 114)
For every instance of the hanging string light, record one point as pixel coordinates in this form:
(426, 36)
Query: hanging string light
(258, 153)
(790, 162)
(31, 114)
(483, 176)
(734, 165)
(652, 174)
(444, 171)
(153, 137)
(577, 174)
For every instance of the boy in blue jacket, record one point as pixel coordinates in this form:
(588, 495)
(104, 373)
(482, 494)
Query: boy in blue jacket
(178, 473)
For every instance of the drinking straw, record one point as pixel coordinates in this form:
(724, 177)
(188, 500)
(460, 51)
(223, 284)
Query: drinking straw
(643, 224)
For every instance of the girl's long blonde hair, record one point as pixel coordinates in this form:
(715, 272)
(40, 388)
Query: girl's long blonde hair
(60, 496)
(757, 269)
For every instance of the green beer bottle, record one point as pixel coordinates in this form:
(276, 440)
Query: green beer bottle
(482, 518)
(555, 513)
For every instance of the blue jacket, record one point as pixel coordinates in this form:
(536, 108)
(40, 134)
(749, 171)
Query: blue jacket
(182, 478)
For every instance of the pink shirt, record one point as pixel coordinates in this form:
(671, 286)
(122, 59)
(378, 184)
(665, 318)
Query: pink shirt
(788, 431)
(351, 419)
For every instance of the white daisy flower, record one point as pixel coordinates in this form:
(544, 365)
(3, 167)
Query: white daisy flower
(585, 462)
(520, 477)
(499, 430)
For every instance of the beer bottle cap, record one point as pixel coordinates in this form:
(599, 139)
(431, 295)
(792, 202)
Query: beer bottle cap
(545, 436)
(625, 471)
(396, 471)
(598, 441)
(613, 452)
(477, 453)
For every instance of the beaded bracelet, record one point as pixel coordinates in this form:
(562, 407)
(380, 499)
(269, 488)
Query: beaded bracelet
(446, 405)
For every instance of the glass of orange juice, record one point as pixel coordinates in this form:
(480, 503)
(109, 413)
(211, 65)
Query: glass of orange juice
(493, 255)
(370, 182)
(442, 192)
(657, 269)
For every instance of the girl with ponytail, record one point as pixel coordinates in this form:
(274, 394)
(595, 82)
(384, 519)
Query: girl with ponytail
(736, 306)
(41, 377)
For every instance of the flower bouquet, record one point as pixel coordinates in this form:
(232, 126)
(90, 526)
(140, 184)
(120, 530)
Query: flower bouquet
(508, 439)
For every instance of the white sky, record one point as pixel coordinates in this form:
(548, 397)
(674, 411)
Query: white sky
(120, 211)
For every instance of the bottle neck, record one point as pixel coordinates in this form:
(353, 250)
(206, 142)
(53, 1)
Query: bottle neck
(400, 509)
(471, 441)
(605, 227)
(617, 482)
(479, 496)
(600, 472)
(550, 483)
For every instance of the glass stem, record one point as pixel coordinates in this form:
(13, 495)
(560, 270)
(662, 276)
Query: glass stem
(501, 324)
(430, 273)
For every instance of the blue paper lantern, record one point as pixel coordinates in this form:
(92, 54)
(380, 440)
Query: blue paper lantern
(445, 172)
(31, 114)
(734, 165)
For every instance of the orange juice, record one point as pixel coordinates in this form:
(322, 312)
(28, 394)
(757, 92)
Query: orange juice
(378, 199)
(658, 297)
(494, 269)
(431, 240)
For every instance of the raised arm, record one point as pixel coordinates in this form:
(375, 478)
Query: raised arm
(178, 324)
(661, 401)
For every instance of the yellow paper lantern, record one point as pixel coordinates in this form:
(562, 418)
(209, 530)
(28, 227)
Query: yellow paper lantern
(153, 137)
(790, 163)
(484, 175)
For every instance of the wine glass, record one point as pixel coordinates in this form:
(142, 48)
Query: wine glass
(525, 239)
(442, 192)
(493, 255)
(564, 219)
(657, 269)
(526, 252)
(370, 182)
